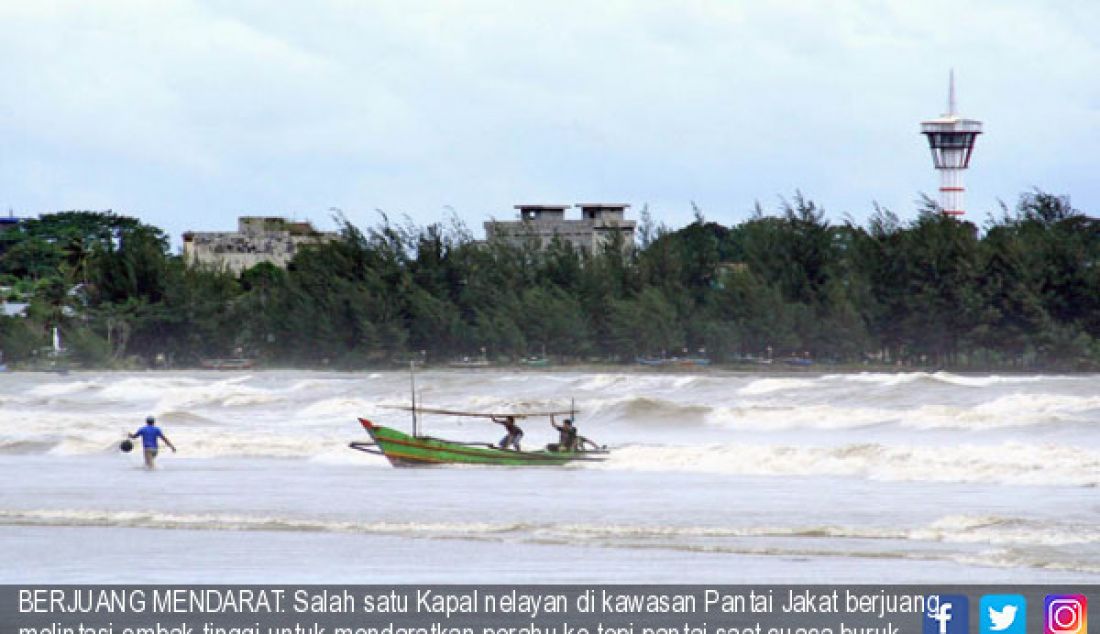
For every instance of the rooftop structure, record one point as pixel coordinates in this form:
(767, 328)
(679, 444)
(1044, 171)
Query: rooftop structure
(257, 239)
(9, 221)
(540, 225)
(951, 139)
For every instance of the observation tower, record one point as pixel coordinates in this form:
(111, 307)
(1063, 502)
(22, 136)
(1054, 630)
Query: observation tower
(951, 139)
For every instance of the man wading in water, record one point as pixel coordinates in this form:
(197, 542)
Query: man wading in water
(149, 435)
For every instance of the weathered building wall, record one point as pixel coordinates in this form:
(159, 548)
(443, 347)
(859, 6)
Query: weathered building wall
(258, 239)
(540, 225)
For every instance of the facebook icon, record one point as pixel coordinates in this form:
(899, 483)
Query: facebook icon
(945, 614)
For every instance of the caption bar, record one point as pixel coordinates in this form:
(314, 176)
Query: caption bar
(543, 609)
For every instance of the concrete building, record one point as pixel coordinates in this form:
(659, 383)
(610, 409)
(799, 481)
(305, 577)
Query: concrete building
(257, 239)
(539, 225)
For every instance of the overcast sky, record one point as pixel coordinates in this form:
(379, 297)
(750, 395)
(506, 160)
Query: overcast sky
(187, 114)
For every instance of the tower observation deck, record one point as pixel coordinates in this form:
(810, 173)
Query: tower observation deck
(951, 139)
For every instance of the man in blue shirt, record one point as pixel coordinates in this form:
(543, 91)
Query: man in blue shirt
(149, 435)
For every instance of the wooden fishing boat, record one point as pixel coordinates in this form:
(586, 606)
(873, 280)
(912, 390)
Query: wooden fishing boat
(417, 450)
(405, 450)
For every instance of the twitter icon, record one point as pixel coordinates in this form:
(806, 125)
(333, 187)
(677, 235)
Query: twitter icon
(1003, 614)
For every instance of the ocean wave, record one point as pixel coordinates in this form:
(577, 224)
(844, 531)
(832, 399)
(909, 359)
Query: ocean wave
(962, 529)
(770, 385)
(966, 380)
(146, 388)
(887, 379)
(1011, 410)
(21, 447)
(647, 383)
(53, 390)
(269, 445)
(227, 394)
(346, 408)
(60, 443)
(1014, 540)
(649, 407)
(227, 522)
(1005, 463)
(175, 417)
(785, 417)
(997, 530)
(890, 379)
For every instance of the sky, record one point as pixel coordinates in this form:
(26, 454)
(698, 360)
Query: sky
(187, 113)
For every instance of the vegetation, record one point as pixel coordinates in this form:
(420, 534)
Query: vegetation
(1020, 292)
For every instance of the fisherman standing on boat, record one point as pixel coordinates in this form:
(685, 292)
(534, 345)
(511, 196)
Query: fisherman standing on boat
(149, 435)
(567, 435)
(514, 432)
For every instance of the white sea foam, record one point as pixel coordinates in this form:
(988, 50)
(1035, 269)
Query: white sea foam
(877, 378)
(1007, 534)
(1004, 463)
(145, 388)
(768, 386)
(49, 390)
(339, 409)
(955, 529)
(780, 417)
(227, 522)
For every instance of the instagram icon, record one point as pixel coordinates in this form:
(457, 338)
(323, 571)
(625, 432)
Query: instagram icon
(1065, 614)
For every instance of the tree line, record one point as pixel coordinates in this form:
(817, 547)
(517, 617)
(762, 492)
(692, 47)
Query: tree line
(1021, 291)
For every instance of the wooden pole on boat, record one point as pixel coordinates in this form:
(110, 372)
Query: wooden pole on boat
(412, 387)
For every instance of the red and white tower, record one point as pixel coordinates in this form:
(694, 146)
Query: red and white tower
(951, 139)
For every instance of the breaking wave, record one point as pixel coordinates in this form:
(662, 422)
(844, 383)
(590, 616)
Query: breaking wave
(948, 529)
(1005, 463)
(1011, 538)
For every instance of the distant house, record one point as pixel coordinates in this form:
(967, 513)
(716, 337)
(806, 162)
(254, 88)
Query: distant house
(539, 225)
(257, 239)
(13, 309)
(7, 223)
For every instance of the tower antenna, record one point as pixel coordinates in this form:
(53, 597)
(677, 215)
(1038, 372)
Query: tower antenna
(951, 139)
(951, 109)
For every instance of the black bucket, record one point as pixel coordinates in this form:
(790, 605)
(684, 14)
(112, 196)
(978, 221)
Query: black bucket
(125, 446)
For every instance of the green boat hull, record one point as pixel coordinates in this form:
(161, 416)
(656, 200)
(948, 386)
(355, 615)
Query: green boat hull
(404, 450)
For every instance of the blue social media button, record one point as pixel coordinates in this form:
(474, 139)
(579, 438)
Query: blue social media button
(1003, 614)
(946, 614)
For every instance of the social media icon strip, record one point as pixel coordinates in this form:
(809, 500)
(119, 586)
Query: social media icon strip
(946, 614)
(1003, 614)
(1065, 614)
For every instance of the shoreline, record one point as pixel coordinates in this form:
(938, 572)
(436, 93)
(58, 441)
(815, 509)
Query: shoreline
(714, 369)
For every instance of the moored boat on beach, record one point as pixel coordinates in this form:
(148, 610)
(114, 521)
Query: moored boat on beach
(228, 364)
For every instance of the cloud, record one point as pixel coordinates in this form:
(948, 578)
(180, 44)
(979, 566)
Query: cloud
(191, 112)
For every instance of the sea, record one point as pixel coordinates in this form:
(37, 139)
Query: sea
(713, 477)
